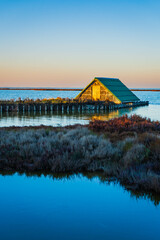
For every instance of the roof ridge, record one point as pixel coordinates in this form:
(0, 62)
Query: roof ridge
(106, 78)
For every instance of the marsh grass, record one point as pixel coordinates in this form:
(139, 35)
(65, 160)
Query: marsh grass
(133, 160)
(48, 101)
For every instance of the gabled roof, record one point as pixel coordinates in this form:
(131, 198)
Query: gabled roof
(115, 86)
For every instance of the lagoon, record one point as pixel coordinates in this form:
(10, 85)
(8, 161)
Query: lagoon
(79, 206)
(73, 207)
(58, 119)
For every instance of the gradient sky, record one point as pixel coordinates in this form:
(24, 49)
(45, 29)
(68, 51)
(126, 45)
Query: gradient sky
(66, 43)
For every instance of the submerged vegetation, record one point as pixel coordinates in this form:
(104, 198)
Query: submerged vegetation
(126, 149)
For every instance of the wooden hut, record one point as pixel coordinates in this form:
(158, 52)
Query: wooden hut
(107, 89)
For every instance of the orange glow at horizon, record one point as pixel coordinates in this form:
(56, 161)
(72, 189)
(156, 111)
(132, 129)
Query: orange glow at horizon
(63, 44)
(48, 78)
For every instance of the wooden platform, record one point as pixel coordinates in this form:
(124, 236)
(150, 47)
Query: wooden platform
(65, 107)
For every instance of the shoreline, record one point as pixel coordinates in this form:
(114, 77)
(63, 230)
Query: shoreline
(71, 89)
(125, 148)
(151, 195)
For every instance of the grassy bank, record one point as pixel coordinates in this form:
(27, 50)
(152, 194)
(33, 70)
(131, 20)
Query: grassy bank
(126, 148)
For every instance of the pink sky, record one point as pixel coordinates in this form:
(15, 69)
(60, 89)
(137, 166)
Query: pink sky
(63, 44)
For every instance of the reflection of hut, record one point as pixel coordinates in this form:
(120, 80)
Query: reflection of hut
(107, 89)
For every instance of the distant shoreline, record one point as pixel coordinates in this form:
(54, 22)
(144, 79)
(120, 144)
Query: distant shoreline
(146, 90)
(44, 89)
(71, 89)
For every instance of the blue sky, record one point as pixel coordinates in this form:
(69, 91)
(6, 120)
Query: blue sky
(67, 43)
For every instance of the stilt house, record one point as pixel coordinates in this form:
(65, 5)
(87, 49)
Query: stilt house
(107, 89)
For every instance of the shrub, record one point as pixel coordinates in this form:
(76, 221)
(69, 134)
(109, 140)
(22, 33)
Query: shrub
(133, 160)
(125, 123)
(135, 155)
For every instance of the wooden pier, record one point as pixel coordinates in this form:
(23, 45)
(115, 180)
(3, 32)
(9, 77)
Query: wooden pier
(66, 107)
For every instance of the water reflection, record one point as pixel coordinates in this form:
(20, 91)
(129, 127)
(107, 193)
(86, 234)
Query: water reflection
(63, 119)
(152, 196)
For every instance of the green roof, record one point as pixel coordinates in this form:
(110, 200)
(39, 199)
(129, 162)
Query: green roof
(115, 86)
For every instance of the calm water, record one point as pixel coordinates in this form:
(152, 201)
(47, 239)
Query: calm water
(15, 94)
(77, 207)
(57, 119)
(152, 97)
(74, 208)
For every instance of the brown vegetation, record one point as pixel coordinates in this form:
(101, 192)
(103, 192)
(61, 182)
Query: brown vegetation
(133, 159)
(125, 123)
(31, 101)
(47, 100)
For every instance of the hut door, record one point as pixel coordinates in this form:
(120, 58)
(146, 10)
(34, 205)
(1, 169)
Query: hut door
(96, 92)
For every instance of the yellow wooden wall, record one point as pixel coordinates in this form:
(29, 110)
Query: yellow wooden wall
(105, 95)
